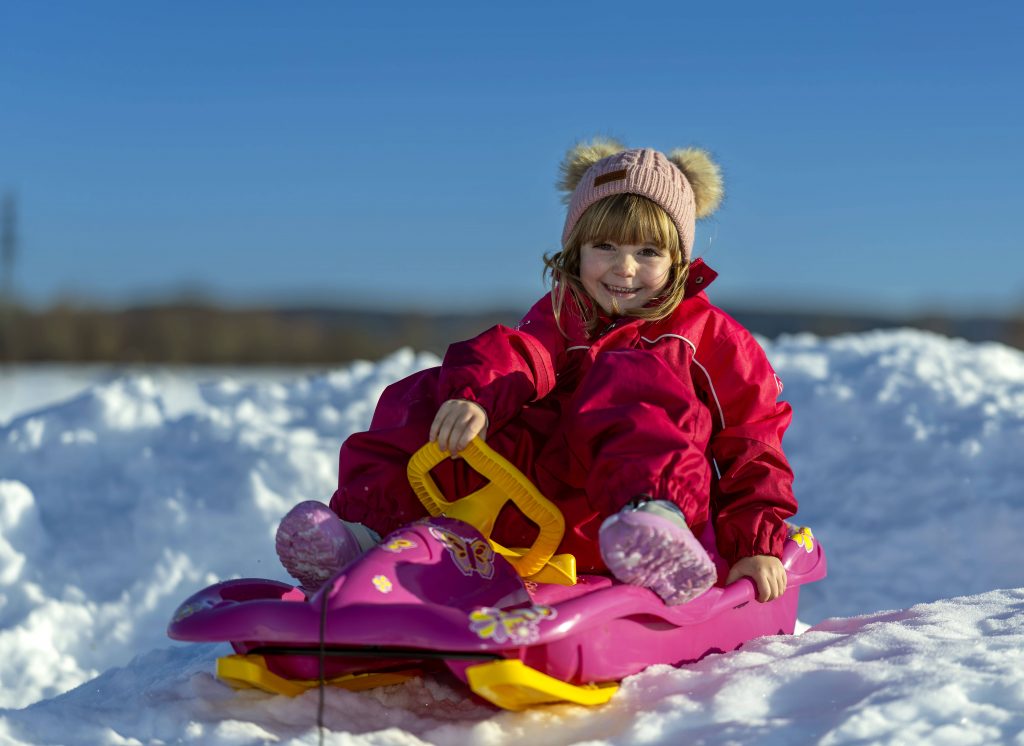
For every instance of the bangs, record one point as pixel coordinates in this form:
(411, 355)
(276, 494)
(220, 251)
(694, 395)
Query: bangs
(622, 219)
(630, 219)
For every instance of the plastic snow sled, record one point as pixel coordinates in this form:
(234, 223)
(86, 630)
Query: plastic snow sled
(517, 625)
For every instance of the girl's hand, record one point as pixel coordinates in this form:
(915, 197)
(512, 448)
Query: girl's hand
(767, 573)
(456, 423)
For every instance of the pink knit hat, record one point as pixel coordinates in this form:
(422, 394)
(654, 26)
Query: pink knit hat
(653, 175)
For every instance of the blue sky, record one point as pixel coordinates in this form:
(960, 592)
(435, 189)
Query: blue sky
(404, 154)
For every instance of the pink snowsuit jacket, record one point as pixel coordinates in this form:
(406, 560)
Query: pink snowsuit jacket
(683, 409)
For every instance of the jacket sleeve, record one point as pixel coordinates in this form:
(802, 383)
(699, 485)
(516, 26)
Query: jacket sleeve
(503, 369)
(753, 495)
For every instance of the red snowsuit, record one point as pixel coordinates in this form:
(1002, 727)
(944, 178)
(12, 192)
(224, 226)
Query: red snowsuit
(684, 409)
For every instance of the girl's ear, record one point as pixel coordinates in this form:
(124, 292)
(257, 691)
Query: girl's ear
(580, 157)
(704, 176)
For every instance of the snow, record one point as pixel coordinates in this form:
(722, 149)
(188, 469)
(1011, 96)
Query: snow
(120, 494)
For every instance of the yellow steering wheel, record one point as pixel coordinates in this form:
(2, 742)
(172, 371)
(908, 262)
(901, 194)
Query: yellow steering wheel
(480, 509)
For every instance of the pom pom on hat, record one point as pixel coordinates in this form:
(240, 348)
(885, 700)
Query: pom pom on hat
(704, 175)
(580, 157)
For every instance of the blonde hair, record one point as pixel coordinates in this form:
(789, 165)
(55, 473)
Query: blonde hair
(621, 218)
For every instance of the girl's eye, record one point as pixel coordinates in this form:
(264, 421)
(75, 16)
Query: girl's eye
(650, 252)
(604, 246)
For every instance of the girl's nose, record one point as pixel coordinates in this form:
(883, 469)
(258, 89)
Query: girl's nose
(625, 266)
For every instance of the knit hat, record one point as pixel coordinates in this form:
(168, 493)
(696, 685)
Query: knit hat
(686, 184)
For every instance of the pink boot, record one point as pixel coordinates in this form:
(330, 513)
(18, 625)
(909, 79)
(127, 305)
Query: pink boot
(313, 543)
(650, 545)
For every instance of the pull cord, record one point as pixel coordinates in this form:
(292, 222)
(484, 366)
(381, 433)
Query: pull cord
(321, 664)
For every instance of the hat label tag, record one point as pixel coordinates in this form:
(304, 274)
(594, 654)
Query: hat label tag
(610, 176)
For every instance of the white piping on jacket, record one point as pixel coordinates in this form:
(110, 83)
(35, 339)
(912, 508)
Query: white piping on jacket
(693, 347)
(711, 384)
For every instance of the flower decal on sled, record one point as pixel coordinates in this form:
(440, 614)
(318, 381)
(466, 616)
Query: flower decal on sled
(398, 544)
(517, 626)
(471, 556)
(382, 583)
(803, 537)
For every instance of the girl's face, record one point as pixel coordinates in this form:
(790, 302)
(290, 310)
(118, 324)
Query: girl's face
(620, 277)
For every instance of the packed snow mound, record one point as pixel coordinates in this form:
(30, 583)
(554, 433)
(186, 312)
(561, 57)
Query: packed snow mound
(119, 502)
(907, 450)
(949, 672)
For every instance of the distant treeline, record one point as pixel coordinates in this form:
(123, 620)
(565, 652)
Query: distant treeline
(200, 334)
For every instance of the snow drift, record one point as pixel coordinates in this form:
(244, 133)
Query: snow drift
(118, 502)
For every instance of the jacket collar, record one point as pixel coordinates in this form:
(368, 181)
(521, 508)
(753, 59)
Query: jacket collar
(701, 275)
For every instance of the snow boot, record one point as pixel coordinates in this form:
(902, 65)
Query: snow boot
(313, 543)
(649, 544)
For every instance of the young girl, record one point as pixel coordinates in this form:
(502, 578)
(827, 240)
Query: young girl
(629, 399)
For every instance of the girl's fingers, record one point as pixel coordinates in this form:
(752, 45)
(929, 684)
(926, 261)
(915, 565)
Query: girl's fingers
(444, 432)
(469, 431)
(764, 588)
(456, 424)
(439, 420)
(767, 574)
(457, 438)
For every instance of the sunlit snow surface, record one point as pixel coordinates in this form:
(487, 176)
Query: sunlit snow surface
(118, 502)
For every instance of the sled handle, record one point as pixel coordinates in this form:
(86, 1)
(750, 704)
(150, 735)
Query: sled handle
(481, 508)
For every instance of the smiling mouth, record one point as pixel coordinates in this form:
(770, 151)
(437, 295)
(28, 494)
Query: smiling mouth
(622, 292)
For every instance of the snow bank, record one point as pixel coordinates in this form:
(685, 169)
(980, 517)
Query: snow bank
(119, 502)
(949, 672)
(907, 447)
(126, 498)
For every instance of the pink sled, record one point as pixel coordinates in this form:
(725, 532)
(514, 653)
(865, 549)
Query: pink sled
(437, 594)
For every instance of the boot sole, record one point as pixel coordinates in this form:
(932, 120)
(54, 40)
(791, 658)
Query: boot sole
(648, 550)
